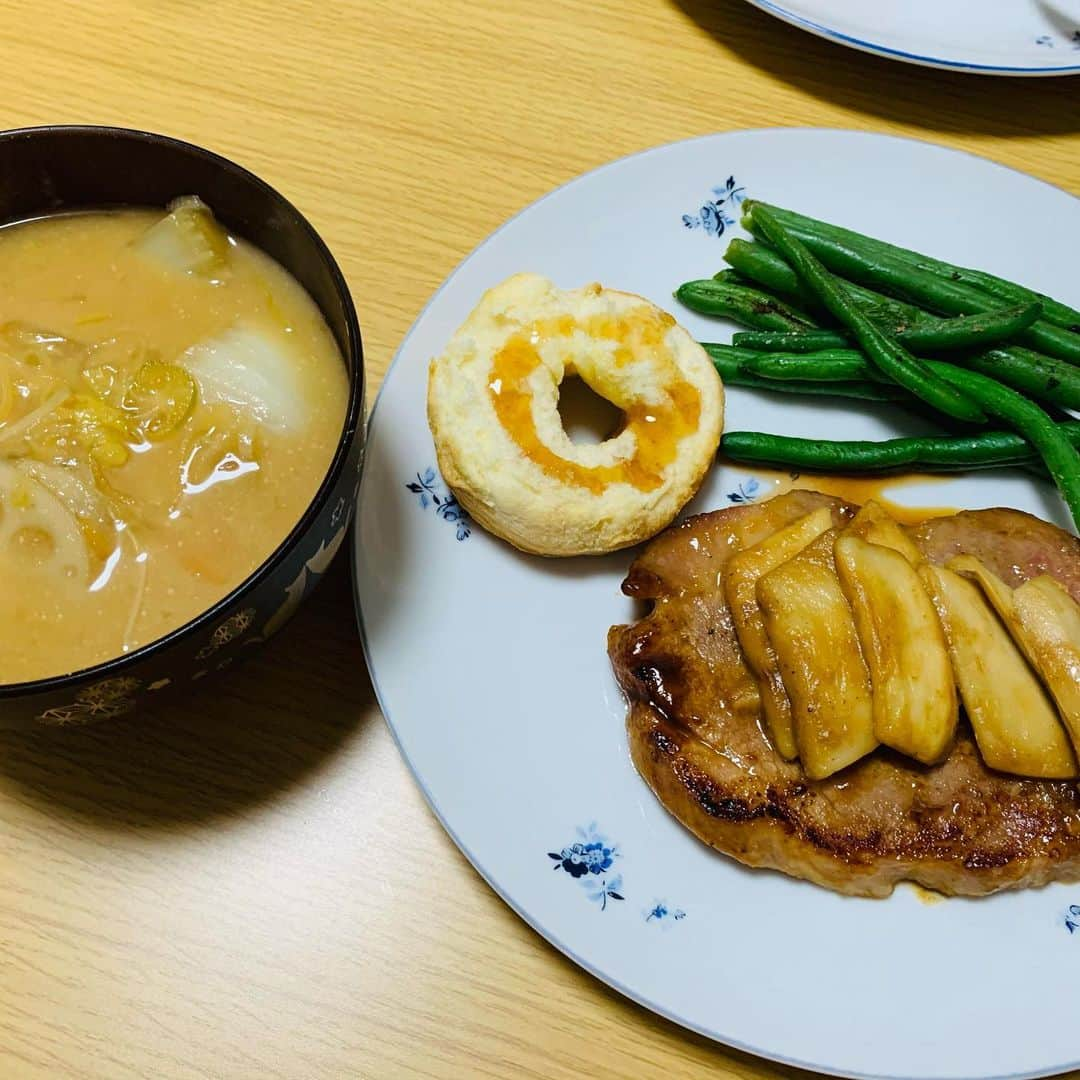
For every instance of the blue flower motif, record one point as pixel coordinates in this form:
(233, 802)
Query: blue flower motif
(431, 491)
(605, 891)
(712, 221)
(746, 492)
(581, 859)
(715, 217)
(1048, 42)
(587, 859)
(1072, 918)
(661, 911)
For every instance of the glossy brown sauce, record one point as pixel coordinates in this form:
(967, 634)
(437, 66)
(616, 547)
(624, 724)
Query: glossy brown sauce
(863, 489)
(657, 428)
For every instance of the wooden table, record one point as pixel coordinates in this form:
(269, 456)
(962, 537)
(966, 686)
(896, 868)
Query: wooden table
(248, 883)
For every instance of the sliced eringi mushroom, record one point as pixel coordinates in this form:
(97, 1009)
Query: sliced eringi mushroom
(914, 693)
(812, 631)
(1044, 621)
(1016, 725)
(741, 576)
(874, 524)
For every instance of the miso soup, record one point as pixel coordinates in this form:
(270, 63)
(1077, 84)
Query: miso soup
(170, 401)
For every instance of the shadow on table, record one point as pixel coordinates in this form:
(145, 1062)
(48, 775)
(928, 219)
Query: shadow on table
(902, 93)
(238, 741)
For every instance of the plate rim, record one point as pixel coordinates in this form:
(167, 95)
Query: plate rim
(641, 1000)
(940, 63)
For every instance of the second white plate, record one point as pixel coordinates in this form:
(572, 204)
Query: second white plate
(999, 37)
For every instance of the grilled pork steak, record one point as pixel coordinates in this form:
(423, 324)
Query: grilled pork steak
(695, 730)
(1014, 545)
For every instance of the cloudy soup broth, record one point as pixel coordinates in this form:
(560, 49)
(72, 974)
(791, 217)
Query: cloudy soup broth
(170, 401)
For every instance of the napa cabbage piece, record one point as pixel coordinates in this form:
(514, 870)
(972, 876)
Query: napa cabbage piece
(82, 423)
(72, 424)
(188, 240)
(247, 369)
(69, 417)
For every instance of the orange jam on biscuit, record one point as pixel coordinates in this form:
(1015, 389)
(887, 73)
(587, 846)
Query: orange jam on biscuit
(657, 427)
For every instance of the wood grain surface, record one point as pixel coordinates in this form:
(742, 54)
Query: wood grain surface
(247, 883)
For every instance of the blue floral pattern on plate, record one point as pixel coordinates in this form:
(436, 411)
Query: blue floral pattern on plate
(746, 492)
(588, 859)
(715, 216)
(431, 491)
(1072, 918)
(1050, 42)
(661, 912)
(605, 891)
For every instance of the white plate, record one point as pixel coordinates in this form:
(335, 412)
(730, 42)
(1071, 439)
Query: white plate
(994, 37)
(490, 666)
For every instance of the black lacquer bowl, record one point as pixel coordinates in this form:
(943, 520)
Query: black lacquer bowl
(56, 169)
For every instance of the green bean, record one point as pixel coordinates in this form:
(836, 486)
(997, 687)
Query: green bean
(731, 367)
(1054, 312)
(972, 331)
(934, 453)
(729, 355)
(733, 277)
(919, 331)
(765, 267)
(1041, 377)
(882, 270)
(791, 341)
(833, 365)
(885, 353)
(1045, 378)
(940, 335)
(747, 306)
(1062, 459)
